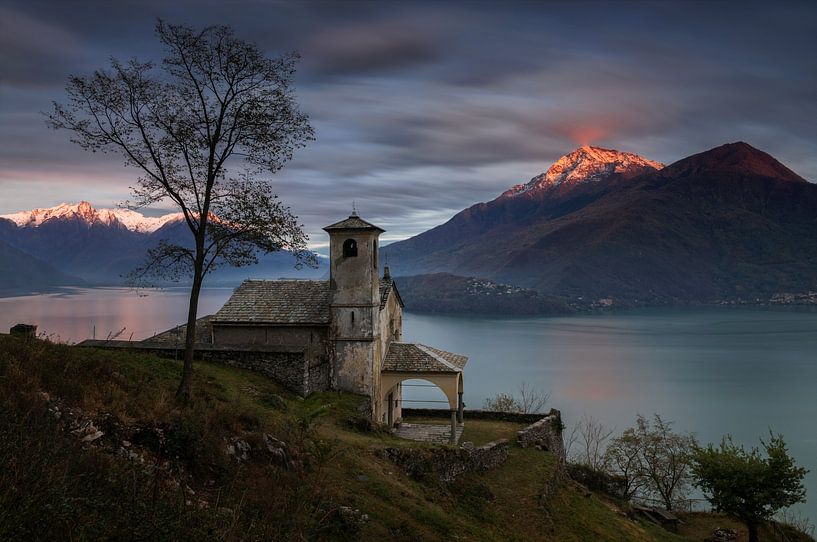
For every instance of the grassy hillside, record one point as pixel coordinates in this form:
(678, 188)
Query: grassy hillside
(161, 471)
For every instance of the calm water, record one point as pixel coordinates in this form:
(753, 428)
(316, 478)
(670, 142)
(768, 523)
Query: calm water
(712, 371)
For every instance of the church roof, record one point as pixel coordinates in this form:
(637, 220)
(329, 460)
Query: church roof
(386, 287)
(354, 222)
(286, 302)
(419, 358)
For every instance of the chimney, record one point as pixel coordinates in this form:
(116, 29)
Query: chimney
(386, 274)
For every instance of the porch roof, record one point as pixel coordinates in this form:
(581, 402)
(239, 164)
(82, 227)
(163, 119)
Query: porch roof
(420, 358)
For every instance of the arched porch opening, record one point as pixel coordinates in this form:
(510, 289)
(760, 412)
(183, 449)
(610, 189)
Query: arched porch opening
(448, 384)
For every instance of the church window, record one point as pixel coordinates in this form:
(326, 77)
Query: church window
(349, 248)
(374, 255)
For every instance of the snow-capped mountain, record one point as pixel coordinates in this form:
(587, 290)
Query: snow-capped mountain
(587, 165)
(101, 246)
(83, 211)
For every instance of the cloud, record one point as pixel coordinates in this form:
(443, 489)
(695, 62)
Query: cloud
(422, 109)
(33, 52)
(366, 48)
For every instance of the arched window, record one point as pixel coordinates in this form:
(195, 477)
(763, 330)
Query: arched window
(349, 248)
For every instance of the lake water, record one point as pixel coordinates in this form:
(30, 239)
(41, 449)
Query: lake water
(713, 371)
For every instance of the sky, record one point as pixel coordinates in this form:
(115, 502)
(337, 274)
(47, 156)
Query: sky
(422, 109)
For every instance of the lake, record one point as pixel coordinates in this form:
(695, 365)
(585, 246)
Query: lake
(711, 370)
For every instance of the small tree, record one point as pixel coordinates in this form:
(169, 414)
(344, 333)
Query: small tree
(747, 485)
(652, 460)
(502, 402)
(623, 457)
(665, 459)
(213, 100)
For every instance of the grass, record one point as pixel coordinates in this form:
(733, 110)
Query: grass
(52, 486)
(477, 431)
(698, 525)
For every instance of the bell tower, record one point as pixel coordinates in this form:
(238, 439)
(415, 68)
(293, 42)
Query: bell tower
(354, 286)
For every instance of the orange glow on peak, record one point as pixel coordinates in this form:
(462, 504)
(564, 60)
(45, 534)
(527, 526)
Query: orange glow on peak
(584, 136)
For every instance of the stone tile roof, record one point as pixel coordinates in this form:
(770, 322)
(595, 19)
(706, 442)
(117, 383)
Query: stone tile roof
(419, 358)
(386, 287)
(277, 302)
(177, 335)
(354, 222)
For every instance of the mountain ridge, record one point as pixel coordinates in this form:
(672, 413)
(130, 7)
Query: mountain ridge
(101, 247)
(84, 211)
(586, 164)
(725, 223)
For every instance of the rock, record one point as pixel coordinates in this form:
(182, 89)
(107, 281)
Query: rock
(44, 395)
(92, 436)
(352, 515)
(467, 445)
(362, 478)
(24, 330)
(722, 534)
(277, 449)
(239, 449)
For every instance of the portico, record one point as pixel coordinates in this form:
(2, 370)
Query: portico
(410, 361)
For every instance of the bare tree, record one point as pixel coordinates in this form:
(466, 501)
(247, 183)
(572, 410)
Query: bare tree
(529, 400)
(623, 457)
(587, 442)
(212, 101)
(665, 459)
(532, 399)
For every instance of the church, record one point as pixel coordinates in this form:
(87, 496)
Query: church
(342, 334)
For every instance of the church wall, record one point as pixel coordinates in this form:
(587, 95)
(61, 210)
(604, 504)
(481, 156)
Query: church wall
(353, 370)
(313, 341)
(359, 283)
(269, 335)
(391, 323)
(353, 322)
(391, 326)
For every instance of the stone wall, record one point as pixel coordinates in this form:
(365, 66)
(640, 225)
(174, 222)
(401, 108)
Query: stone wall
(445, 463)
(288, 366)
(545, 434)
(516, 417)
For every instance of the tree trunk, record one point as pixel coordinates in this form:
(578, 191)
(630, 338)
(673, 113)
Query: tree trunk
(183, 393)
(753, 534)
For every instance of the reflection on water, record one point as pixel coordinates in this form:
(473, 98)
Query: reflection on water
(78, 313)
(713, 371)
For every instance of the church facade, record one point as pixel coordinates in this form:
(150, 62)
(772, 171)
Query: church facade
(347, 330)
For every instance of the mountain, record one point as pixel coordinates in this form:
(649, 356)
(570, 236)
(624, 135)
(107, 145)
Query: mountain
(84, 212)
(21, 273)
(571, 183)
(101, 246)
(728, 223)
(586, 165)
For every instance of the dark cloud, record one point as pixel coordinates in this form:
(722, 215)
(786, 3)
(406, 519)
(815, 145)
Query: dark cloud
(365, 48)
(33, 52)
(422, 108)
